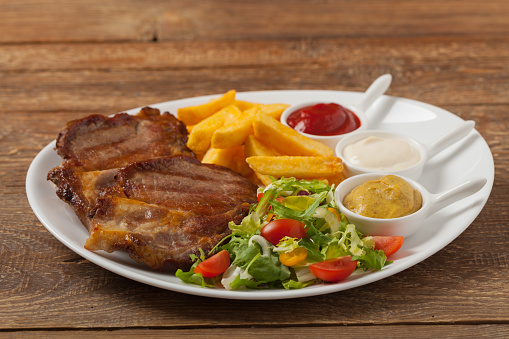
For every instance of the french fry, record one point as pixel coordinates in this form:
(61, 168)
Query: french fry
(301, 167)
(264, 179)
(194, 114)
(233, 158)
(253, 177)
(201, 134)
(248, 138)
(274, 110)
(238, 162)
(236, 132)
(244, 105)
(254, 147)
(216, 156)
(286, 140)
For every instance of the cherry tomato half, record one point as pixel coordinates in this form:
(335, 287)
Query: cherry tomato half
(277, 229)
(388, 244)
(215, 265)
(293, 257)
(334, 270)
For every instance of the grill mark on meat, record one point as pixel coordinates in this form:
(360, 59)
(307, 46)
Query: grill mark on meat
(136, 186)
(210, 190)
(162, 238)
(184, 222)
(98, 142)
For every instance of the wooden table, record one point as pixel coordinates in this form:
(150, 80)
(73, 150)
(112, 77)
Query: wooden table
(65, 60)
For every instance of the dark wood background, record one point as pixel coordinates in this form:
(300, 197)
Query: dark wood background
(61, 60)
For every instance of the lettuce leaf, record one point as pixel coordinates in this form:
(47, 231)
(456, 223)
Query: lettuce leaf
(268, 269)
(249, 283)
(293, 284)
(374, 259)
(195, 278)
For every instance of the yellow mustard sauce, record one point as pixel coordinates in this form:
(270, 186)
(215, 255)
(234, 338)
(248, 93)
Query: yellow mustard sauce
(384, 198)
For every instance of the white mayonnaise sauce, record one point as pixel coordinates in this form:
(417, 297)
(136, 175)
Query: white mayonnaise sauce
(381, 154)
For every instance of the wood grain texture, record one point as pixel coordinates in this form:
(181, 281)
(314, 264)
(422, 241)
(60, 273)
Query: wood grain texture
(440, 72)
(418, 331)
(131, 20)
(64, 60)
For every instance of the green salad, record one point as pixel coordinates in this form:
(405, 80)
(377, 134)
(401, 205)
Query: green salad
(294, 237)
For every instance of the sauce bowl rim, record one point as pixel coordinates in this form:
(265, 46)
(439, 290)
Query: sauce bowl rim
(362, 118)
(360, 179)
(347, 140)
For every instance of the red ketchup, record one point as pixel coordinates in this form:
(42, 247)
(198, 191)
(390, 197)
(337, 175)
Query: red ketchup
(324, 119)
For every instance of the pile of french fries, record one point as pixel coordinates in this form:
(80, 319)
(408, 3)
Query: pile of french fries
(249, 139)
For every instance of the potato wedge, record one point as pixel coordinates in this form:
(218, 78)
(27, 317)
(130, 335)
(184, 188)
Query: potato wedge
(254, 147)
(201, 134)
(285, 139)
(301, 167)
(194, 114)
(236, 132)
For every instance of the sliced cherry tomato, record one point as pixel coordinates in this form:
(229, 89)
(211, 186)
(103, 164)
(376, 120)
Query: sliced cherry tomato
(215, 265)
(277, 229)
(388, 244)
(293, 257)
(334, 270)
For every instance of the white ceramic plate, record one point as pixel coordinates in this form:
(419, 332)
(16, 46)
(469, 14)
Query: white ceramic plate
(468, 158)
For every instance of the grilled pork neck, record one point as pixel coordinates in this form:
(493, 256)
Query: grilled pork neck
(94, 147)
(167, 208)
(97, 142)
(150, 196)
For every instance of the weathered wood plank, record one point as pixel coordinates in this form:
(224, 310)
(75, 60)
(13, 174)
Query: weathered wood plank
(109, 92)
(130, 20)
(442, 72)
(352, 53)
(397, 331)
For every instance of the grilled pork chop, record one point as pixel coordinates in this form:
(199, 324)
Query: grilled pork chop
(135, 185)
(94, 147)
(98, 142)
(81, 189)
(167, 208)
